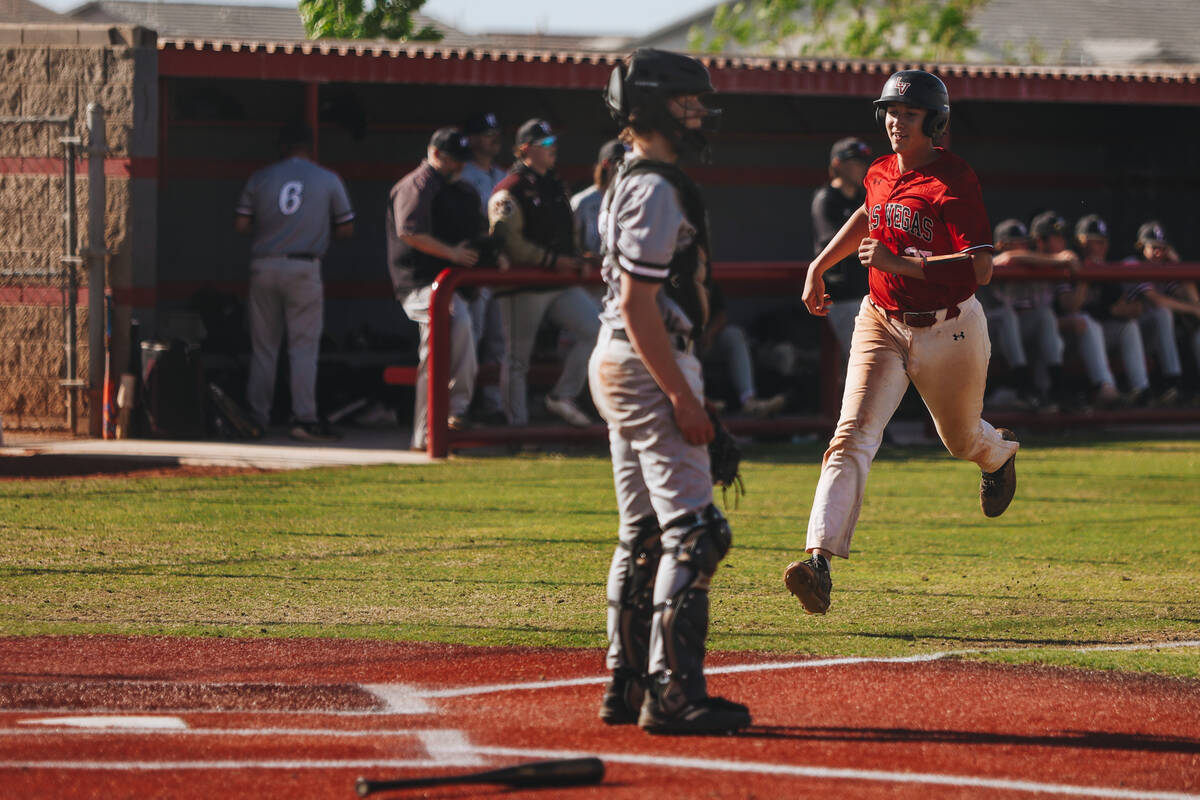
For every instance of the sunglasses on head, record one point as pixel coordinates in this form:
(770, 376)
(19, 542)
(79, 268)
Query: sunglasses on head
(547, 141)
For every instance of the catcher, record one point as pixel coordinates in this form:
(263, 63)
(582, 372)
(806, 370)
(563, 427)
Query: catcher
(646, 382)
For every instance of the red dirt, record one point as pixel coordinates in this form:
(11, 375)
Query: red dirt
(1048, 726)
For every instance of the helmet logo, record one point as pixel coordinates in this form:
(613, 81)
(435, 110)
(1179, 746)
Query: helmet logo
(902, 86)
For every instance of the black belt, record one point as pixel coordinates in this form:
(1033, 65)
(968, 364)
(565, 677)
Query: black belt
(302, 256)
(678, 341)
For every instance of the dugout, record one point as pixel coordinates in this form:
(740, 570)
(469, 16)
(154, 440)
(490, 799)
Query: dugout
(199, 115)
(1077, 140)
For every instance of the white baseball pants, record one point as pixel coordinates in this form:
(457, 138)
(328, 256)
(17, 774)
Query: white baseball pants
(948, 363)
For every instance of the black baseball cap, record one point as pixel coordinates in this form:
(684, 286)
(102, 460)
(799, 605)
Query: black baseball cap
(849, 148)
(481, 123)
(1010, 230)
(1091, 226)
(1152, 232)
(295, 134)
(612, 152)
(1048, 223)
(536, 131)
(451, 141)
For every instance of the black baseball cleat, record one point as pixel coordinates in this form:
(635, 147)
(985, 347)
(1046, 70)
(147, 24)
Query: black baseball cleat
(622, 698)
(996, 489)
(811, 582)
(707, 715)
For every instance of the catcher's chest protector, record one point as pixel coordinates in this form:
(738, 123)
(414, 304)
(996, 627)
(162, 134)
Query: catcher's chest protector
(690, 280)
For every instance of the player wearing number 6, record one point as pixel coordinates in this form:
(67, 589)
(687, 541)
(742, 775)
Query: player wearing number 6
(291, 206)
(923, 236)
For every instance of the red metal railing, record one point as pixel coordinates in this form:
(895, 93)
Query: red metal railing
(762, 275)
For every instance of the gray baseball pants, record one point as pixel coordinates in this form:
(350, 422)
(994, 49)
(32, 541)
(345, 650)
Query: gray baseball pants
(463, 365)
(286, 295)
(1158, 327)
(572, 309)
(656, 474)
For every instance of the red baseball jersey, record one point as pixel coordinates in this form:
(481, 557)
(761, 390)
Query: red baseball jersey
(933, 210)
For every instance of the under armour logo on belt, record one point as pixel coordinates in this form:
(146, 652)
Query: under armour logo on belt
(960, 335)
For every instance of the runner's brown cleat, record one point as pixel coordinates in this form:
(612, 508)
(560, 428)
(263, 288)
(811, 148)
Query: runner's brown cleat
(811, 582)
(996, 489)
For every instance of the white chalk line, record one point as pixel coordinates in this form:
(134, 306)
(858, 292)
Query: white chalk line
(402, 699)
(152, 766)
(771, 666)
(833, 773)
(45, 729)
(473, 756)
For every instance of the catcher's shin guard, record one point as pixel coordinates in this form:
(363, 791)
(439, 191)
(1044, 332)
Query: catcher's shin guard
(677, 699)
(700, 541)
(630, 609)
(631, 595)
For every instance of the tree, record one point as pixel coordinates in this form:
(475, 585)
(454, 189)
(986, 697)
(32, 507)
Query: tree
(923, 30)
(349, 19)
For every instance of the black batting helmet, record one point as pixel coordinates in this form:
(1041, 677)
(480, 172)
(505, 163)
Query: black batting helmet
(638, 93)
(921, 89)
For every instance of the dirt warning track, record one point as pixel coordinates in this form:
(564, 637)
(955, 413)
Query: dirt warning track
(146, 717)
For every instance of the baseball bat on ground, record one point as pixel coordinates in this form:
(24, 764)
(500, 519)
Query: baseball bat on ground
(562, 772)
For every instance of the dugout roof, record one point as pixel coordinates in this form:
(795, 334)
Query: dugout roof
(381, 62)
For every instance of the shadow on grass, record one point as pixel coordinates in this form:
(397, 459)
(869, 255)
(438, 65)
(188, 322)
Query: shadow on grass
(1084, 740)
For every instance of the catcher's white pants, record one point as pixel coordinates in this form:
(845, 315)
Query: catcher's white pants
(656, 473)
(947, 362)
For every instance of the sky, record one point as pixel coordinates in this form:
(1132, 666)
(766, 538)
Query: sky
(526, 16)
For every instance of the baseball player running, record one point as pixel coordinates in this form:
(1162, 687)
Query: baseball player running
(924, 238)
(646, 382)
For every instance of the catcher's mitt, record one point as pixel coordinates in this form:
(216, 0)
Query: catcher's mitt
(725, 458)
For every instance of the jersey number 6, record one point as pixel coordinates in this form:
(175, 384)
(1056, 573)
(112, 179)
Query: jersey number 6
(290, 197)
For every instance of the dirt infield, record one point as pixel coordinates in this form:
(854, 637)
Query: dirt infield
(146, 717)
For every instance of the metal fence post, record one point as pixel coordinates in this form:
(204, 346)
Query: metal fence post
(96, 252)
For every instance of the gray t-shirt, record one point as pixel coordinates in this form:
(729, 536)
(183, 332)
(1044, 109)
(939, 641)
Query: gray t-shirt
(643, 227)
(586, 207)
(294, 202)
(484, 180)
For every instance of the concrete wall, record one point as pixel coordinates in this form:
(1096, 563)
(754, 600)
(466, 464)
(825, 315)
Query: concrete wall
(55, 71)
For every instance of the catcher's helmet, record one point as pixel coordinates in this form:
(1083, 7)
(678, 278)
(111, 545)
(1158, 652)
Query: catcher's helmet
(921, 89)
(638, 93)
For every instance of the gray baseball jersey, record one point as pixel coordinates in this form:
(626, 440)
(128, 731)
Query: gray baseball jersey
(643, 228)
(484, 180)
(294, 202)
(586, 207)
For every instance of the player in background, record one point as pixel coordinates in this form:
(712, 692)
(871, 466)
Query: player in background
(585, 204)
(1109, 313)
(646, 381)
(530, 212)
(483, 172)
(1033, 302)
(1050, 234)
(1004, 329)
(292, 207)
(923, 235)
(1164, 302)
(832, 205)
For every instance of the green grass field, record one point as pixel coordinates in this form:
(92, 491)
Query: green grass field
(1101, 546)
